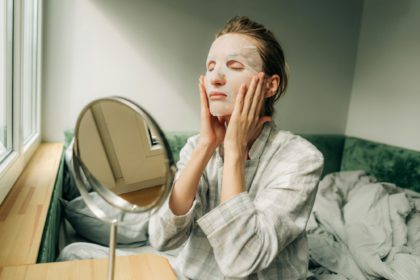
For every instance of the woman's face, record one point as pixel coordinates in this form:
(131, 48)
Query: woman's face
(233, 60)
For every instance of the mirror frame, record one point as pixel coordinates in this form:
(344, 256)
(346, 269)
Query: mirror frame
(84, 177)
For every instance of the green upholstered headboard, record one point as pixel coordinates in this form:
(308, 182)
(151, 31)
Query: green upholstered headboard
(331, 147)
(176, 141)
(387, 163)
(48, 249)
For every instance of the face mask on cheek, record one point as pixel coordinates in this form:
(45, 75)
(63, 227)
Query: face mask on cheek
(223, 107)
(223, 76)
(234, 79)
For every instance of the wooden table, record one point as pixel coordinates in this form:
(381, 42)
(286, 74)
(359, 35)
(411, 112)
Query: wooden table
(143, 266)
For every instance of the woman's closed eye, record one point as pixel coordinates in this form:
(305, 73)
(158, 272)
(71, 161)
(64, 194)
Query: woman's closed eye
(210, 65)
(232, 64)
(235, 65)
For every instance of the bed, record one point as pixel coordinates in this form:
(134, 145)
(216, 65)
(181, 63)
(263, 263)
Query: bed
(366, 218)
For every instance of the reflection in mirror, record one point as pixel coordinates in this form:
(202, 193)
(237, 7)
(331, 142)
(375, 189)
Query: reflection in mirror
(123, 152)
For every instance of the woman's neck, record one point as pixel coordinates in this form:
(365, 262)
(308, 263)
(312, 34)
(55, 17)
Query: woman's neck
(254, 137)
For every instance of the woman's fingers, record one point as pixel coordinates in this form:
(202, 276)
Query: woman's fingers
(249, 96)
(256, 104)
(261, 99)
(239, 101)
(203, 96)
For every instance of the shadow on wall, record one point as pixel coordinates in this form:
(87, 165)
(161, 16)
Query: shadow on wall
(307, 32)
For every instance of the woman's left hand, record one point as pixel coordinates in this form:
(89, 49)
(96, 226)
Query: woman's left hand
(246, 123)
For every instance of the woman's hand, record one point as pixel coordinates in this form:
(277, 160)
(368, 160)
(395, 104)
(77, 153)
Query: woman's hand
(213, 129)
(246, 122)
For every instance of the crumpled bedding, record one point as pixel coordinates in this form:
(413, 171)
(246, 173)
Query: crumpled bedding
(358, 229)
(363, 229)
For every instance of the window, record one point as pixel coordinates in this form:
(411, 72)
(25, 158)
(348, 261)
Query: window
(20, 37)
(6, 18)
(29, 77)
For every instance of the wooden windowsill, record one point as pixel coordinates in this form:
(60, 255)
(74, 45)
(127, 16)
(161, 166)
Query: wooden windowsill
(24, 210)
(22, 218)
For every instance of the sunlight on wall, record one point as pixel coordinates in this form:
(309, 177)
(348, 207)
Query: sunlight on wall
(154, 51)
(95, 60)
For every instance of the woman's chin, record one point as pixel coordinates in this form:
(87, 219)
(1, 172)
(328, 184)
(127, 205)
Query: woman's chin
(221, 109)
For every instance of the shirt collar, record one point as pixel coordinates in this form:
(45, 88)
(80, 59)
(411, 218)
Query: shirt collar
(257, 147)
(259, 144)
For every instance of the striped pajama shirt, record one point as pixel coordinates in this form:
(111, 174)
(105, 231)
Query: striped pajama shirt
(258, 234)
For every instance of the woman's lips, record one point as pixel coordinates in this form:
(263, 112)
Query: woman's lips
(217, 95)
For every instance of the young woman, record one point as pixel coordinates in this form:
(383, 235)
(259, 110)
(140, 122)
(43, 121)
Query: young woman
(244, 189)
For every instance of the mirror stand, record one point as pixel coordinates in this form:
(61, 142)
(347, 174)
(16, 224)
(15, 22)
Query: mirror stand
(113, 231)
(83, 176)
(112, 242)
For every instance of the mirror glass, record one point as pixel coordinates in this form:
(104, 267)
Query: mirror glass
(123, 154)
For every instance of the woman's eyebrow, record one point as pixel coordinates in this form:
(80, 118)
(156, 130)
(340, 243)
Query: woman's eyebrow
(234, 55)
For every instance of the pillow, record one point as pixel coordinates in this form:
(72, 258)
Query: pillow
(70, 190)
(86, 224)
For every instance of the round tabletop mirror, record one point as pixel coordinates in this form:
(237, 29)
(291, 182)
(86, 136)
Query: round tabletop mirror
(121, 153)
(125, 154)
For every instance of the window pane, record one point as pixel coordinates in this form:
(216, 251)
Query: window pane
(5, 79)
(29, 78)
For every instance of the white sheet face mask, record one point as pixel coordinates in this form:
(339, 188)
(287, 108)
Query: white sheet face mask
(233, 59)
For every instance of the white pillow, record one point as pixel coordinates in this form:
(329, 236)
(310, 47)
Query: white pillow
(85, 223)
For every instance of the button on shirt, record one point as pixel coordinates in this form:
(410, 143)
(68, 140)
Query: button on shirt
(258, 234)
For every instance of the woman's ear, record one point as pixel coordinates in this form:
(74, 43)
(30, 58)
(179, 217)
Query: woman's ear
(272, 85)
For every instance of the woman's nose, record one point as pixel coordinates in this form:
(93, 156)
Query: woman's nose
(217, 78)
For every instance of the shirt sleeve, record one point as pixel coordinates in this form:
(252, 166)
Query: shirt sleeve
(246, 235)
(166, 230)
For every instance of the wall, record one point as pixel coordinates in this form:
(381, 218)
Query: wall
(385, 101)
(154, 51)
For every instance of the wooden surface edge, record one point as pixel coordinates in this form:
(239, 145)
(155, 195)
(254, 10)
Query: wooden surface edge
(23, 212)
(142, 266)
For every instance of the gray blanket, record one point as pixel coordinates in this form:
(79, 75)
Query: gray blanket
(363, 229)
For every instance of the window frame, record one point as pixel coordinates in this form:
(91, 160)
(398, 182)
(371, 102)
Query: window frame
(12, 166)
(8, 52)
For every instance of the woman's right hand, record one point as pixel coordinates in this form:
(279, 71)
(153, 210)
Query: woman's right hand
(213, 128)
